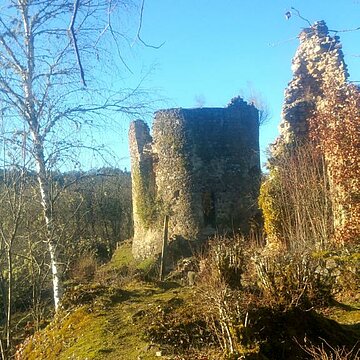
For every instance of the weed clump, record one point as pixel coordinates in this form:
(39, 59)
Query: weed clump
(249, 294)
(84, 269)
(293, 280)
(178, 326)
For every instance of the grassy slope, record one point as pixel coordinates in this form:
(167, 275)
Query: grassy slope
(107, 321)
(112, 332)
(109, 325)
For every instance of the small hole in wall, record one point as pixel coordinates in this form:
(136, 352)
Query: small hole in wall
(208, 205)
(176, 194)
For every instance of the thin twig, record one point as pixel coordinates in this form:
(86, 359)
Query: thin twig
(334, 31)
(345, 30)
(283, 42)
(300, 16)
(139, 29)
(72, 36)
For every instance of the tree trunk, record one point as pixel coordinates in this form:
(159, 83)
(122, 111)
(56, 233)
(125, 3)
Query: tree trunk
(57, 288)
(44, 188)
(31, 117)
(9, 297)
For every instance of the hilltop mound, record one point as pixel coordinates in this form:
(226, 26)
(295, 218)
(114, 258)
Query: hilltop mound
(121, 316)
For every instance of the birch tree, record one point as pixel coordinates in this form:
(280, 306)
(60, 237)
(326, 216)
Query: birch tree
(12, 185)
(50, 97)
(11, 194)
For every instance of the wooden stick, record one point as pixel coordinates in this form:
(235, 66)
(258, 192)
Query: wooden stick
(164, 245)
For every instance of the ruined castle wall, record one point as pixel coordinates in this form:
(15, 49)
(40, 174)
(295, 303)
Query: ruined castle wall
(217, 160)
(206, 168)
(318, 62)
(319, 69)
(143, 187)
(173, 147)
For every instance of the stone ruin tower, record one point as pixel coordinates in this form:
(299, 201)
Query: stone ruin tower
(318, 61)
(201, 167)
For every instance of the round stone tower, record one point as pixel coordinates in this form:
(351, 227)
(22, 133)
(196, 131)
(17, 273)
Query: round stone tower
(201, 168)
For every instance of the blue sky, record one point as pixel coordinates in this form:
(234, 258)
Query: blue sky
(215, 50)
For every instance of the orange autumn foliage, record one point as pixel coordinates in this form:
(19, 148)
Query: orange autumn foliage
(335, 129)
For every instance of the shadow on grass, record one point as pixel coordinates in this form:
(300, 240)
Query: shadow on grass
(345, 307)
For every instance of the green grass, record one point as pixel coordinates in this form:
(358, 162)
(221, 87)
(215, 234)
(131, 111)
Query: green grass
(108, 319)
(121, 257)
(103, 329)
(346, 314)
(104, 321)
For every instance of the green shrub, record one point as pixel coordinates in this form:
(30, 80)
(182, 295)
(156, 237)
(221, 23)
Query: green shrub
(343, 264)
(240, 284)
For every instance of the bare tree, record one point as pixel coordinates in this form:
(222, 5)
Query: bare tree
(297, 207)
(254, 97)
(12, 187)
(49, 97)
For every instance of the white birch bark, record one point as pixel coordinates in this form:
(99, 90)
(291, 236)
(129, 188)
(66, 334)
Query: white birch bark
(38, 149)
(44, 188)
(40, 90)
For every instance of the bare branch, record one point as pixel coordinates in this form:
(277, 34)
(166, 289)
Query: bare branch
(49, 76)
(108, 26)
(139, 29)
(15, 62)
(72, 36)
(335, 31)
(10, 33)
(7, 90)
(300, 16)
(345, 30)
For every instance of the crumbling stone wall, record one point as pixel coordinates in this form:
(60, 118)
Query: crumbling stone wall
(318, 67)
(201, 167)
(318, 62)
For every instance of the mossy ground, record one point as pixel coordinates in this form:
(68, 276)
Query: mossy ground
(98, 331)
(346, 313)
(105, 322)
(106, 319)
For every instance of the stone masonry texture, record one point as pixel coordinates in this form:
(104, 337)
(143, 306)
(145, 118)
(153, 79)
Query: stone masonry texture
(201, 167)
(318, 65)
(319, 61)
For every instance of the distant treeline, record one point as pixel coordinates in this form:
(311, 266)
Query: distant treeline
(92, 213)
